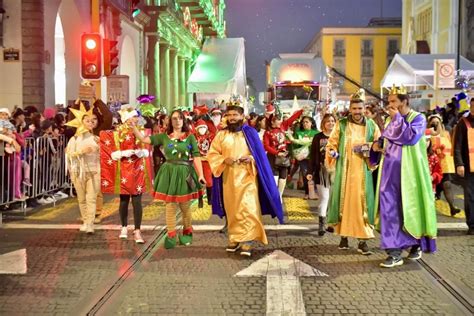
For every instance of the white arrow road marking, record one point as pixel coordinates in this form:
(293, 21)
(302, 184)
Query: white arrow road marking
(284, 295)
(13, 262)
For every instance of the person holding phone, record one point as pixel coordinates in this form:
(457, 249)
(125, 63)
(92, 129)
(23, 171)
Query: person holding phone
(180, 179)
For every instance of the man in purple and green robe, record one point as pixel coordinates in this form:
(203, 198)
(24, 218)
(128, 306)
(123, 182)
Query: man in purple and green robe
(404, 198)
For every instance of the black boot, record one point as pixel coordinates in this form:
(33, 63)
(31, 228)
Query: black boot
(224, 229)
(454, 210)
(209, 195)
(322, 221)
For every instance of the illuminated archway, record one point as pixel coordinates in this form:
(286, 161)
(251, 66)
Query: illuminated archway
(59, 63)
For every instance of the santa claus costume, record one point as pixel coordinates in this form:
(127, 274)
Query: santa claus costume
(204, 138)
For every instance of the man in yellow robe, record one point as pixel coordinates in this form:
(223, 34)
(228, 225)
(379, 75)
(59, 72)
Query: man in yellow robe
(351, 201)
(242, 188)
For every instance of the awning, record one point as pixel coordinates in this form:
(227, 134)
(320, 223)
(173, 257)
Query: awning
(220, 68)
(418, 69)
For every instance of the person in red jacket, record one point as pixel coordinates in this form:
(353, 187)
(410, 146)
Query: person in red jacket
(276, 146)
(204, 138)
(435, 165)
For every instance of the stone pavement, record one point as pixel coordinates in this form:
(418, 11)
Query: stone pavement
(70, 272)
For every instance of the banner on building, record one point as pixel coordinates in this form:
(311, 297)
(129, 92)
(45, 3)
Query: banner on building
(444, 73)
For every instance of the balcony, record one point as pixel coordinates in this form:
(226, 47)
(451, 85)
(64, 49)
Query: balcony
(208, 14)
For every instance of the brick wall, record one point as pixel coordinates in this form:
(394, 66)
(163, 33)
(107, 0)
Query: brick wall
(33, 49)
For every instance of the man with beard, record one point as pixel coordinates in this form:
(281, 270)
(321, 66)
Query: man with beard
(405, 200)
(351, 201)
(243, 187)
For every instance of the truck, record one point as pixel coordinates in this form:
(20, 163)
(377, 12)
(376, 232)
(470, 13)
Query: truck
(297, 81)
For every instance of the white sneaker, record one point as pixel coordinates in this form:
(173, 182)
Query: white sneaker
(123, 233)
(49, 200)
(83, 228)
(42, 201)
(137, 235)
(90, 228)
(61, 195)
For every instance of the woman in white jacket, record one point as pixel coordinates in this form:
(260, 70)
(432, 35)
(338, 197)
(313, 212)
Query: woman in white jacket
(83, 159)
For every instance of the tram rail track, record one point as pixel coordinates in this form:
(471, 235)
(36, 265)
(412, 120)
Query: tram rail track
(456, 295)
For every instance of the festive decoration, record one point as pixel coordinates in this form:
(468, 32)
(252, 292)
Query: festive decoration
(146, 107)
(307, 88)
(200, 110)
(462, 102)
(252, 99)
(130, 171)
(398, 90)
(127, 111)
(78, 116)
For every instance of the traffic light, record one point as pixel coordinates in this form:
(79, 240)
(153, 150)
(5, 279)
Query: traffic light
(111, 60)
(134, 8)
(91, 56)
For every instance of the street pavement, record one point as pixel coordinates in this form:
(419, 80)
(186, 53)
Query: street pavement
(71, 273)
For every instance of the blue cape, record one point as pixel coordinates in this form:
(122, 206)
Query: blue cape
(268, 194)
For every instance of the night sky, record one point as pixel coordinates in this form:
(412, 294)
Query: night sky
(271, 27)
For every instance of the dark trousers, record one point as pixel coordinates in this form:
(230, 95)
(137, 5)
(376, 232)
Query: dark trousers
(137, 209)
(468, 186)
(397, 252)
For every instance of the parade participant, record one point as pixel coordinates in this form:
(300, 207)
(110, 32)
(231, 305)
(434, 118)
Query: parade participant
(276, 146)
(464, 161)
(303, 139)
(204, 139)
(404, 196)
(318, 170)
(269, 110)
(177, 182)
(126, 168)
(434, 164)
(351, 201)
(243, 187)
(82, 154)
(101, 121)
(216, 117)
(441, 141)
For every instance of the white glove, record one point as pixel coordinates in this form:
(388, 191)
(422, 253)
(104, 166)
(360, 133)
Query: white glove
(128, 153)
(142, 153)
(116, 155)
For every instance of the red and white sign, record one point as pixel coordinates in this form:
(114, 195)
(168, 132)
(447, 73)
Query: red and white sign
(444, 73)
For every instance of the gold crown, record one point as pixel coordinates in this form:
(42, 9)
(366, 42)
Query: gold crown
(398, 90)
(359, 95)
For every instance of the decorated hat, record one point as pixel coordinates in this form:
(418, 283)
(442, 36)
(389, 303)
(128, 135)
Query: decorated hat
(200, 109)
(145, 106)
(216, 110)
(269, 108)
(398, 90)
(78, 116)
(200, 123)
(127, 111)
(358, 96)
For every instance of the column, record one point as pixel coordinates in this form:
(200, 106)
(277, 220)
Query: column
(174, 78)
(165, 76)
(182, 81)
(153, 61)
(189, 96)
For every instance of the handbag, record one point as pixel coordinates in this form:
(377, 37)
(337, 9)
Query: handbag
(301, 153)
(283, 162)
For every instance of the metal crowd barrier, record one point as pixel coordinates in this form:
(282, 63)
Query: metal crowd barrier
(38, 171)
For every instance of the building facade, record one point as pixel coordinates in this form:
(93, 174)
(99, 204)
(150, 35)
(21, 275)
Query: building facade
(157, 43)
(362, 54)
(431, 26)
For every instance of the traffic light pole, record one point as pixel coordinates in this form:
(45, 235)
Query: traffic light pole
(95, 28)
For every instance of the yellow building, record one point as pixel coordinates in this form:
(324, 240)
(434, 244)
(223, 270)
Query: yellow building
(361, 53)
(432, 26)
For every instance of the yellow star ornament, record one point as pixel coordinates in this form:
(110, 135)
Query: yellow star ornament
(78, 116)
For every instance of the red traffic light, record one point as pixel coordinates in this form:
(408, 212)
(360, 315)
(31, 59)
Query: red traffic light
(91, 56)
(111, 60)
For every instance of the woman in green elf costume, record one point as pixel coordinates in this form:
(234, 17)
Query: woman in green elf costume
(177, 183)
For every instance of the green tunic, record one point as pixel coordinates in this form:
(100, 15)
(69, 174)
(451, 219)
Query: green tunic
(177, 180)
